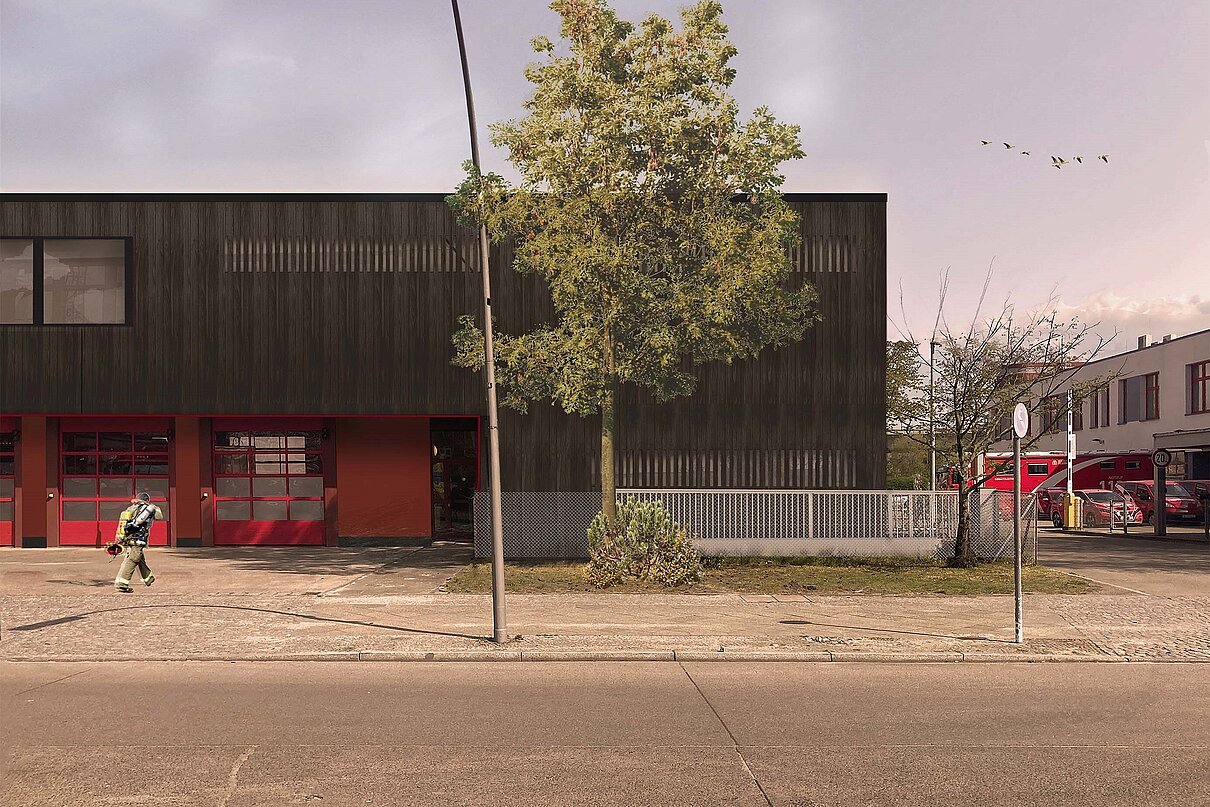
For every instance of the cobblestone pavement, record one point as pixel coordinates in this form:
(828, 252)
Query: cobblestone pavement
(217, 626)
(362, 603)
(1141, 627)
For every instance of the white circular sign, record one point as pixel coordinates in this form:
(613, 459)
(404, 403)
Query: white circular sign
(1161, 458)
(1020, 420)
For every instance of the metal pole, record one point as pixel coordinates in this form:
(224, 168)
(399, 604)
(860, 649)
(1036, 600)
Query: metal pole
(932, 421)
(1159, 502)
(1070, 516)
(499, 616)
(1125, 515)
(932, 442)
(1017, 533)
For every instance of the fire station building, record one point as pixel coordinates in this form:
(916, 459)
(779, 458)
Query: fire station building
(275, 370)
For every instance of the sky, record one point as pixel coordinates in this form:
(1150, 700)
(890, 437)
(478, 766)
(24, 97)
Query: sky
(892, 97)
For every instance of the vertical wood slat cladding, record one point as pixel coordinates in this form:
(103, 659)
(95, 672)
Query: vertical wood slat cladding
(345, 305)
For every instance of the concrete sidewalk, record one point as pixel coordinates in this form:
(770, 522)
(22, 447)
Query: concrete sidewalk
(367, 605)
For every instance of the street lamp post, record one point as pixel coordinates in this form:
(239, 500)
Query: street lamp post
(499, 617)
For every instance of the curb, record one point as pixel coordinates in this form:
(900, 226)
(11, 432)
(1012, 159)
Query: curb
(539, 656)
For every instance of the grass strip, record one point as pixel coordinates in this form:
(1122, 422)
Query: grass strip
(800, 575)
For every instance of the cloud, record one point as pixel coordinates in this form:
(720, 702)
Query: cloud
(1133, 316)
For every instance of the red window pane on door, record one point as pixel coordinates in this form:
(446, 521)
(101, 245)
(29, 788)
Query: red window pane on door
(100, 471)
(268, 487)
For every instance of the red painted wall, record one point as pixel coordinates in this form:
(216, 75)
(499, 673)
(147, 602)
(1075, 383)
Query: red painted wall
(32, 484)
(382, 471)
(185, 476)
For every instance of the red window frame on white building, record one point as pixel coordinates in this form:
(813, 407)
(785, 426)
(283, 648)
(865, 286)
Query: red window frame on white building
(1199, 388)
(1151, 396)
(1098, 412)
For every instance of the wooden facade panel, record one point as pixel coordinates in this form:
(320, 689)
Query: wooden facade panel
(277, 333)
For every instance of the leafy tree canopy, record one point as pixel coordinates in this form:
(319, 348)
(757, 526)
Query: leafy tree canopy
(652, 212)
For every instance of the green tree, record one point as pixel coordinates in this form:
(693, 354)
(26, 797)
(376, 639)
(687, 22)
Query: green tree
(907, 464)
(903, 382)
(982, 370)
(648, 207)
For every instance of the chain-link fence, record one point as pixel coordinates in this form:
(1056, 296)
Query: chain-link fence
(991, 525)
(771, 523)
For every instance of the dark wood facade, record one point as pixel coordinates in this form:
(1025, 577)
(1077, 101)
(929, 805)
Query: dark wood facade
(344, 305)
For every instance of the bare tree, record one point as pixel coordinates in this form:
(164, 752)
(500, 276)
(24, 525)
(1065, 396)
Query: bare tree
(982, 370)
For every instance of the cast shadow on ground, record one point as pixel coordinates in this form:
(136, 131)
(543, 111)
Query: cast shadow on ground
(333, 561)
(891, 630)
(63, 620)
(84, 583)
(1140, 555)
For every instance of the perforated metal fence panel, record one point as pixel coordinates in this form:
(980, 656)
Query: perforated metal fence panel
(537, 524)
(770, 523)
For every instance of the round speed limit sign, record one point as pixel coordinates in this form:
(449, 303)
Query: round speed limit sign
(1162, 458)
(1020, 420)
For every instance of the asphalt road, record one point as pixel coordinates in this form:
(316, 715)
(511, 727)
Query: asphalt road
(238, 734)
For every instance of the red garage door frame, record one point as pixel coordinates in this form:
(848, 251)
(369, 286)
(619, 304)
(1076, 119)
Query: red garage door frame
(101, 474)
(270, 480)
(8, 480)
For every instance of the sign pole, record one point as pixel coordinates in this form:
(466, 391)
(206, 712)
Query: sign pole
(1017, 532)
(1020, 429)
(1160, 460)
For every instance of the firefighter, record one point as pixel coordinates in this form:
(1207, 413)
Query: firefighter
(134, 531)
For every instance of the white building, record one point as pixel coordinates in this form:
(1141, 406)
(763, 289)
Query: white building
(1155, 396)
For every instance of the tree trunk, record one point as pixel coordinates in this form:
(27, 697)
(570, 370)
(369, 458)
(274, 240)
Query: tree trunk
(963, 556)
(609, 496)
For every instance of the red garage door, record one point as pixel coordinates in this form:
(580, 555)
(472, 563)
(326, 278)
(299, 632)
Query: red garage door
(8, 470)
(100, 471)
(268, 486)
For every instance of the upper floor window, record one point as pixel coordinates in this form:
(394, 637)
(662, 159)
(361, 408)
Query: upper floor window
(1151, 396)
(1053, 411)
(65, 281)
(1098, 411)
(1140, 398)
(1054, 414)
(1199, 387)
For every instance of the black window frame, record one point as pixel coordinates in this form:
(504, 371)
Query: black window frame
(39, 302)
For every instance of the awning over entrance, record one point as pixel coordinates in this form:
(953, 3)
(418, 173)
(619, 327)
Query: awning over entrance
(1184, 440)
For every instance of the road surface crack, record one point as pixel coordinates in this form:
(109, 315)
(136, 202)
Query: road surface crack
(233, 777)
(734, 742)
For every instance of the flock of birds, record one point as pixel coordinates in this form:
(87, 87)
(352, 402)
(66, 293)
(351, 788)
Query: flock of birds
(1057, 162)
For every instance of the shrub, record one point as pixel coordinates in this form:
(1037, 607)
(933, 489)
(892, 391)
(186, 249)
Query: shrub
(645, 544)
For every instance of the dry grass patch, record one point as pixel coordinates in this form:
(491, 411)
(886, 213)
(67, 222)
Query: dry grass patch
(786, 576)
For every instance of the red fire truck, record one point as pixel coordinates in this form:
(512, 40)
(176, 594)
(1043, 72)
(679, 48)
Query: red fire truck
(1044, 470)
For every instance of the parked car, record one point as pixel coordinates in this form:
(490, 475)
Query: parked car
(1179, 503)
(1050, 502)
(1101, 508)
(1197, 487)
(1200, 489)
